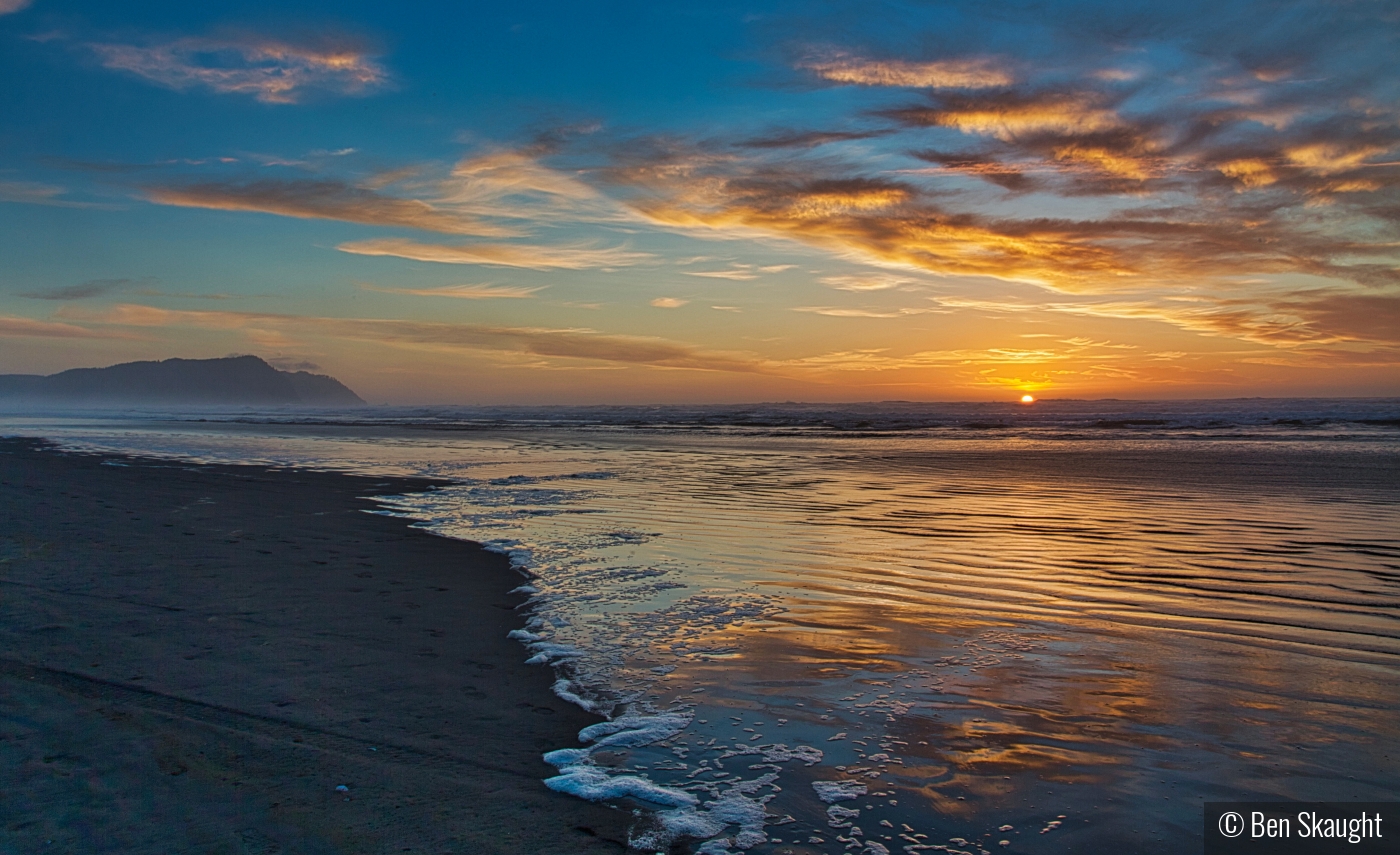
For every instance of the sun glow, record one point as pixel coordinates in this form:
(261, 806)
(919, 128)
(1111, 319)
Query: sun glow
(1027, 399)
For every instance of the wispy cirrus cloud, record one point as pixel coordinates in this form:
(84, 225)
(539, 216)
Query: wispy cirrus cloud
(580, 344)
(11, 325)
(1013, 115)
(515, 183)
(501, 193)
(789, 138)
(1305, 321)
(1365, 317)
(325, 200)
(737, 275)
(270, 70)
(483, 291)
(867, 282)
(880, 359)
(35, 193)
(9, 6)
(29, 191)
(576, 257)
(90, 289)
(959, 73)
(857, 312)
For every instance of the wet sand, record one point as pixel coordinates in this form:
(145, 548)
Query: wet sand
(194, 658)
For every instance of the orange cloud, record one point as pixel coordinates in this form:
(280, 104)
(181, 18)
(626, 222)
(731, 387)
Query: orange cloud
(1356, 317)
(1010, 176)
(1303, 321)
(847, 312)
(503, 255)
(867, 282)
(881, 360)
(736, 275)
(1249, 172)
(977, 73)
(1106, 160)
(1046, 252)
(11, 325)
(1010, 116)
(467, 292)
(324, 200)
(272, 71)
(479, 196)
(1329, 158)
(899, 223)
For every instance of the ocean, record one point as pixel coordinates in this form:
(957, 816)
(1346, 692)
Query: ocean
(906, 627)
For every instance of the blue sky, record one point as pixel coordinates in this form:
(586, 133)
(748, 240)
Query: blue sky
(709, 202)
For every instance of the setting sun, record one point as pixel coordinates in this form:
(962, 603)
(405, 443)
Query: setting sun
(1027, 399)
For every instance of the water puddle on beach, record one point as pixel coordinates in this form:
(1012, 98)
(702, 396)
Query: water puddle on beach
(919, 643)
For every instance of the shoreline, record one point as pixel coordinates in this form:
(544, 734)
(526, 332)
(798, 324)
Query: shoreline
(194, 658)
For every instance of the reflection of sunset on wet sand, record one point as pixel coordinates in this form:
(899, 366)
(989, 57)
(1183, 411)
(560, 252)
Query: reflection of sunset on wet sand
(1012, 658)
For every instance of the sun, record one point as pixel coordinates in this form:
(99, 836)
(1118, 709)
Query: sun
(1028, 399)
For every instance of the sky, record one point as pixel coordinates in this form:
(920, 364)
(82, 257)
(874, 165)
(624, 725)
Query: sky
(616, 202)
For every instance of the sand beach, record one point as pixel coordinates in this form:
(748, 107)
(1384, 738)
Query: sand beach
(237, 659)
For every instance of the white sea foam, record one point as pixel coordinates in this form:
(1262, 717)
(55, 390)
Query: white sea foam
(564, 689)
(562, 757)
(592, 783)
(777, 753)
(839, 791)
(548, 653)
(735, 808)
(629, 731)
(687, 822)
(580, 776)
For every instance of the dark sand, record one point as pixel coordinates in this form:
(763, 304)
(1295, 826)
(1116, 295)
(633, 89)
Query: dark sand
(192, 658)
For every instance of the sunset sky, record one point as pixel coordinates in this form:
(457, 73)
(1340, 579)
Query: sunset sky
(714, 201)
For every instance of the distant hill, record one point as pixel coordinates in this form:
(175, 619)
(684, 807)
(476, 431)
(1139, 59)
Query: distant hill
(235, 380)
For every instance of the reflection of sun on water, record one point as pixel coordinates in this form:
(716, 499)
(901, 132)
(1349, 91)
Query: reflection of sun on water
(1027, 399)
